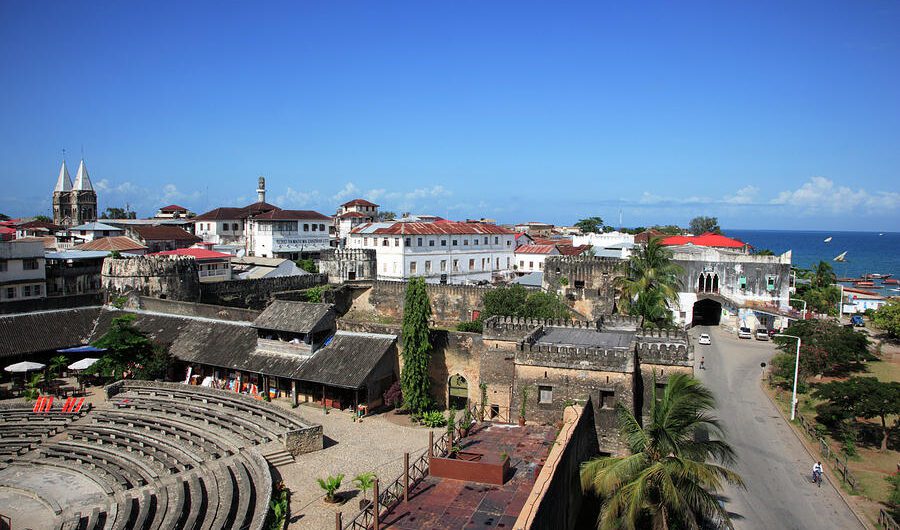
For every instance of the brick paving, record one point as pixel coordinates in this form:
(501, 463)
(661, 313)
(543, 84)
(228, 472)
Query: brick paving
(376, 444)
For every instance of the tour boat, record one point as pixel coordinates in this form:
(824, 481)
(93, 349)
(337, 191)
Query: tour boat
(890, 281)
(864, 284)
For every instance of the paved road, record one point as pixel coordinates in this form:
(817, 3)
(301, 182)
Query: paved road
(773, 463)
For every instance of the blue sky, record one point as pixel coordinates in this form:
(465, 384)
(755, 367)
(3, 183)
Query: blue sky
(767, 115)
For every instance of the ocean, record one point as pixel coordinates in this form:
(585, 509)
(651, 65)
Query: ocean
(867, 252)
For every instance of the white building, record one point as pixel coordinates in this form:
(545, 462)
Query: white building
(352, 214)
(288, 234)
(530, 258)
(23, 273)
(603, 241)
(444, 251)
(94, 230)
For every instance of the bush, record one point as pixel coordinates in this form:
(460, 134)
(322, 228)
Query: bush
(433, 418)
(393, 397)
(278, 507)
(894, 496)
(887, 317)
(474, 326)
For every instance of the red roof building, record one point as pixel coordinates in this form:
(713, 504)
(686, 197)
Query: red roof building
(359, 202)
(436, 228)
(708, 239)
(115, 243)
(163, 237)
(213, 266)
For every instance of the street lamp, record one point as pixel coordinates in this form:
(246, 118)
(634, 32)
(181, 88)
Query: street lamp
(804, 305)
(796, 373)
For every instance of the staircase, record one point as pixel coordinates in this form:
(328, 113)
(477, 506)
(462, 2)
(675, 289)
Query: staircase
(277, 456)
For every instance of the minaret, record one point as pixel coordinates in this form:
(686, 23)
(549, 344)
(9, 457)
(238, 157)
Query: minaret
(62, 200)
(261, 190)
(84, 198)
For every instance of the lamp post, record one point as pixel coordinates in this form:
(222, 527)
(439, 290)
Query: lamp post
(796, 373)
(804, 305)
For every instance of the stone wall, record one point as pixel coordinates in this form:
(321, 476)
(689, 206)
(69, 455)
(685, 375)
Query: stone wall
(303, 441)
(576, 357)
(450, 304)
(170, 277)
(589, 282)
(556, 499)
(519, 328)
(256, 293)
(55, 302)
(192, 309)
(348, 264)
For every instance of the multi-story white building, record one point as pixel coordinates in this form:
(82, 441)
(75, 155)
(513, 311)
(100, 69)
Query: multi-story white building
(290, 234)
(352, 214)
(604, 240)
(444, 251)
(23, 273)
(93, 230)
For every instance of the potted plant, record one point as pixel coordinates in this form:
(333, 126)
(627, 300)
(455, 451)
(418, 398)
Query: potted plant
(522, 406)
(483, 387)
(451, 424)
(331, 484)
(365, 482)
(466, 423)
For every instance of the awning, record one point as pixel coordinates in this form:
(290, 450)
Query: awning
(83, 364)
(81, 349)
(23, 367)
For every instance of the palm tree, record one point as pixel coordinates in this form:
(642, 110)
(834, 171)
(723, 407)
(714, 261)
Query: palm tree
(649, 286)
(330, 484)
(823, 275)
(58, 363)
(667, 480)
(365, 482)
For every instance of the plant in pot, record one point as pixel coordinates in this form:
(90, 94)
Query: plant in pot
(365, 482)
(522, 406)
(331, 484)
(466, 424)
(451, 424)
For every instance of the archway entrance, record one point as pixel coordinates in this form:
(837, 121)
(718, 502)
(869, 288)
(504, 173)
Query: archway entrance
(459, 392)
(707, 312)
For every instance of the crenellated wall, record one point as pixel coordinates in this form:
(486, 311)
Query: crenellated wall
(576, 357)
(587, 282)
(519, 328)
(171, 277)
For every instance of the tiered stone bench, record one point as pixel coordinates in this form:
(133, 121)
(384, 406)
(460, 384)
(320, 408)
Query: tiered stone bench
(164, 455)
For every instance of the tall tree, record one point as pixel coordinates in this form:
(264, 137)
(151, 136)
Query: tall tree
(887, 317)
(702, 224)
(823, 275)
(416, 340)
(590, 225)
(865, 397)
(43, 219)
(386, 216)
(649, 286)
(671, 478)
(4, 217)
(118, 213)
(129, 352)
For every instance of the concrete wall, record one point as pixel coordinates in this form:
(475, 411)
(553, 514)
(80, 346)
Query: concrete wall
(450, 304)
(255, 293)
(555, 500)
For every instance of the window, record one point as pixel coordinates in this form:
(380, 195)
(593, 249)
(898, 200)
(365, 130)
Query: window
(412, 267)
(30, 264)
(10, 292)
(498, 264)
(530, 264)
(396, 241)
(607, 399)
(384, 242)
(224, 227)
(456, 265)
(37, 290)
(234, 227)
(306, 227)
(522, 263)
(465, 242)
(508, 242)
(443, 265)
(418, 241)
(507, 263)
(26, 290)
(496, 240)
(540, 265)
(485, 240)
(443, 242)
(454, 243)
(427, 267)
(742, 282)
(321, 228)
(407, 241)
(770, 282)
(431, 242)
(471, 264)
(3, 266)
(315, 227)
(545, 394)
(365, 241)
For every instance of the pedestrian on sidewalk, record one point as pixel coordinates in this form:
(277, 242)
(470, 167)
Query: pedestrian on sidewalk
(702, 362)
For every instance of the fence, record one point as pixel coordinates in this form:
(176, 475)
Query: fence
(828, 454)
(399, 488)
(886, 521)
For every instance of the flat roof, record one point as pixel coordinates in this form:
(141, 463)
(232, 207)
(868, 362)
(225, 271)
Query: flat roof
(587, 337)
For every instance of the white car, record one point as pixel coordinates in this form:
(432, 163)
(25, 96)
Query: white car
(704, 339)
(745, 333)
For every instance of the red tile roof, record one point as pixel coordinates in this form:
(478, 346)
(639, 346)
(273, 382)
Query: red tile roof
(535, 249)
(227, 213)
(284, 215)
(551, 241)
(163, 233)
(437, 228)
(120, 243)
(173, 208)
(41, 224)
(359, 202)
(198, 253)
(351, 214)
(572, 250)
(705, 240)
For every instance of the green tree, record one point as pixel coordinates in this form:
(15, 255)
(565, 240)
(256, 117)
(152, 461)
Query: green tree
(308, 265)
(33, 386)
(58, 363)
(887, 317)
(650, 282)
(118, 213)
(4, 217)
(826, 347)
(43, 219)
(820, 299)
(517, 301)
(591, 225)
(702, 224)
(865, 397)
(128, 349)
(763, 252)
(416, 338)
(671, 478)
(386, 216)
(823, 275)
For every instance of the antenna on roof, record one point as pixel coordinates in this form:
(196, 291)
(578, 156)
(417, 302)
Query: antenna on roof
(64, 154)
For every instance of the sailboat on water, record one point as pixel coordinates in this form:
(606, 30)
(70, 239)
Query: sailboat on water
(842, 257)
(828, 239)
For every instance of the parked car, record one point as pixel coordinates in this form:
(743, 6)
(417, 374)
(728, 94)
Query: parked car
(773, 332)
(745, 333)
(704, 339)
(762, 334)
(857, 320)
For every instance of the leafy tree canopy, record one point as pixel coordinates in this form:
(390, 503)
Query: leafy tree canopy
(830, 348)
(43, 219)
(517, 301)
(386, 216)
(118, 213)
(887, 317)
(308, 265)
(763, 252)
(650, 283)
(416, 339)
(865, 397)
(129, 352)
(4, 217)
(590, 225)
(702, 224)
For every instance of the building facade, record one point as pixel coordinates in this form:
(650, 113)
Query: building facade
(441, 252)
(291, 234)
(74, 204)
(23, 272)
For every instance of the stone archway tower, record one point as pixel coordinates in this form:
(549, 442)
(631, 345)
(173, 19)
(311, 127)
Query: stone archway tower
(84, 198)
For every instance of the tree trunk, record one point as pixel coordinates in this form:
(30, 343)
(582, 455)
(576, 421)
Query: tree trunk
(885, 433)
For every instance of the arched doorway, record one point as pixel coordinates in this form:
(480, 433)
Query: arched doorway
(707, 312)
(458, 392)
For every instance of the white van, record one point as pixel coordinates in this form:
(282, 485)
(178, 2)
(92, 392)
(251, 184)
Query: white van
(745, 333)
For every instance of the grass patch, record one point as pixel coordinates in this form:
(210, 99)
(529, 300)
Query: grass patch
(884, 370)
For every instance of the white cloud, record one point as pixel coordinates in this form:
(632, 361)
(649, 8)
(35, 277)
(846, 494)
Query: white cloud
(820, 195)
(293, 198)
(745, 195)
(349, 190)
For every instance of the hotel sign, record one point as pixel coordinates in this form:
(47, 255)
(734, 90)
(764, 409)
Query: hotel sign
(300, 243)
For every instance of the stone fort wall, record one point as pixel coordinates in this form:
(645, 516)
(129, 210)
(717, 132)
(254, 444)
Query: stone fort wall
(256, 293)
(450, 304)
(348, 264)
(587, 282)
(171, 277)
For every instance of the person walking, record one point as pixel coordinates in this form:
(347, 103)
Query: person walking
(702, 362)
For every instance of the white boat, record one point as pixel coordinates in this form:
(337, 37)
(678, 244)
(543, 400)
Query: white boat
(841, 257)
(828, 239)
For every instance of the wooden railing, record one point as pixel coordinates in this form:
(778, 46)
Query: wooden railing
(886, 521)
(826, 451)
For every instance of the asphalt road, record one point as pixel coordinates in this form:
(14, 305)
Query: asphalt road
(772, 461)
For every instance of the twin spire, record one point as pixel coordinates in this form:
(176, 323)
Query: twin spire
(82, 180)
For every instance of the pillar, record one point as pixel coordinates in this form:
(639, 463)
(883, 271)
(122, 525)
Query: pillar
(405, 477)
(376, 507)
(293, 393)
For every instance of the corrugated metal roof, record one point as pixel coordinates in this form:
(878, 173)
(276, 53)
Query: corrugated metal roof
(347, 360)
(296, 317)
(45, 330)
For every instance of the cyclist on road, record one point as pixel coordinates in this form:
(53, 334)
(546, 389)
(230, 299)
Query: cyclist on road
(817, 473)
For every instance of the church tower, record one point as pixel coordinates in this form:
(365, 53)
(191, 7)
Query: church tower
(62, 198)
(84, 198)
